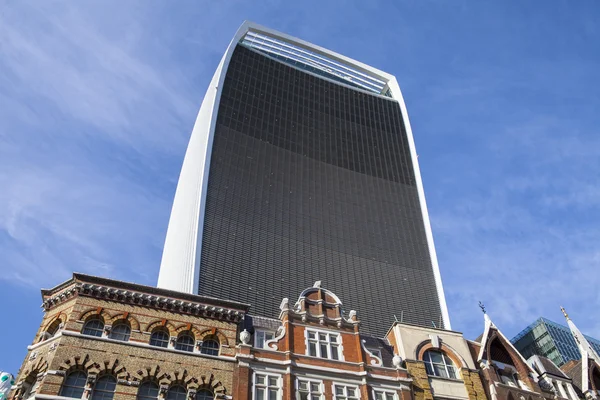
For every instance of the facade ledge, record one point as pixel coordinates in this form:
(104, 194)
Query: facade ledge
(149, 347)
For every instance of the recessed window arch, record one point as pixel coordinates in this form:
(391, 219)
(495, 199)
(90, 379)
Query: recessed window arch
(93, 327)
(160, 338)
(204, 394)
(210, 346)
(120, 331)
(30, 385)
(176, 392)
(73, 385)
(104, 389)
(52, 329)
(185, 341)
(148, 390)
(437, 363)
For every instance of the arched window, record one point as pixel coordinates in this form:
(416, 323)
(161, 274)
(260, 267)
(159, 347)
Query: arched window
(439, 364)
(160, 338)
(120, 331)
(204, 394)
(185, 342)
(176, 392)
(148, 391)
(104, 388)
(93, 327)
(74, 385)
(30, 386)
(52, 330)
(210, 347)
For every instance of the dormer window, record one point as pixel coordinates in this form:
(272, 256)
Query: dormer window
(439, 364)
(323, 344)
(261, 338)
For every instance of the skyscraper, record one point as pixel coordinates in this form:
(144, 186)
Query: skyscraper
(302, 167)
(549, 339)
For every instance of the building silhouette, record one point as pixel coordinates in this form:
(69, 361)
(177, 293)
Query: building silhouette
(301, 167)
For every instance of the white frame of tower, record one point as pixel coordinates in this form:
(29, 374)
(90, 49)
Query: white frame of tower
(180, 264)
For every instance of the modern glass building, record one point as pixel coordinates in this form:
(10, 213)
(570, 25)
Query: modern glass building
(549, 339)
(302, 167)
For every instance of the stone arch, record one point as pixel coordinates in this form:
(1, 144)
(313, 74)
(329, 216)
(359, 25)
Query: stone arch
(62, 317)
(214, 333)
(39, 367)
(111, 367)
(449, 351)
(594, 374)
(163, 323)
(188, 327)
(211, 383)
(132, 321)
(78, 363)
(95, 312)
(154, 374)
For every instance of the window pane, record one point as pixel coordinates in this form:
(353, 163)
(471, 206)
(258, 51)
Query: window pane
(339, 390)
(273, 381)
(204, 395)
(303, 385)
(322, 337)
(389, 396)
(312, 349)
(315, 387)
(260, 394)
(436, 357)
(429, 368)
(159, 339)
(452, 372)
(440, 371)
(210, 347)
(323, 348)
(260, 379)
(273, 394)
(120, 332)
(335, 353)
(93, 328)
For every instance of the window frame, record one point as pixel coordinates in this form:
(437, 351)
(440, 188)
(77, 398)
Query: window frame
(127, 335)
(212, 394)
(430, 365)
(345, 387)
(261, 335)
(318, 342)
(103, 391)
(157, 331)
(64, 384)
(266, 386)
(385, 393)
(174, 386)
(193, 344)
(90, 321)
(310, 394)
(145, 397)
(207, 350)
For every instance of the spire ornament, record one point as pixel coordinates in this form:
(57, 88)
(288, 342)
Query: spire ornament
(564, 313)
(482, 306)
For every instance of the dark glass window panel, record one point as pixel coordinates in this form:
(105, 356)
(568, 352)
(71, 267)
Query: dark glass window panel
(185, 342)
(210, 347)
(159, 338)
(104, 388)
(120, 332)
(74, 385)
(312, 180)
(93, 327)
(204, 394)
(148, 391)
(177, 393)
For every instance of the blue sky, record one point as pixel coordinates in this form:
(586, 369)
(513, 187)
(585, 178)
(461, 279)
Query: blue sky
(97, 102)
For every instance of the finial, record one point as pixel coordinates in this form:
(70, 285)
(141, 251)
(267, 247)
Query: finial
(317, 284)
(564, 312)
(482, 307)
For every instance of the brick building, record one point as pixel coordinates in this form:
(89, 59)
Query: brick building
(102, 339)
(100, 336)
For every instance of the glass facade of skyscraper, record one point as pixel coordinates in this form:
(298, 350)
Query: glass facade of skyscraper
(551, 340)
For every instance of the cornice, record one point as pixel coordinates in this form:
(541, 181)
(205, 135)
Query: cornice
(138, 298)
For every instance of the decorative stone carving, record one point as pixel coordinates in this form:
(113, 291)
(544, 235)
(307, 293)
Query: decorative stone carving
(245, 337)
(33, 356)
(285, 304)
(397, 361)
